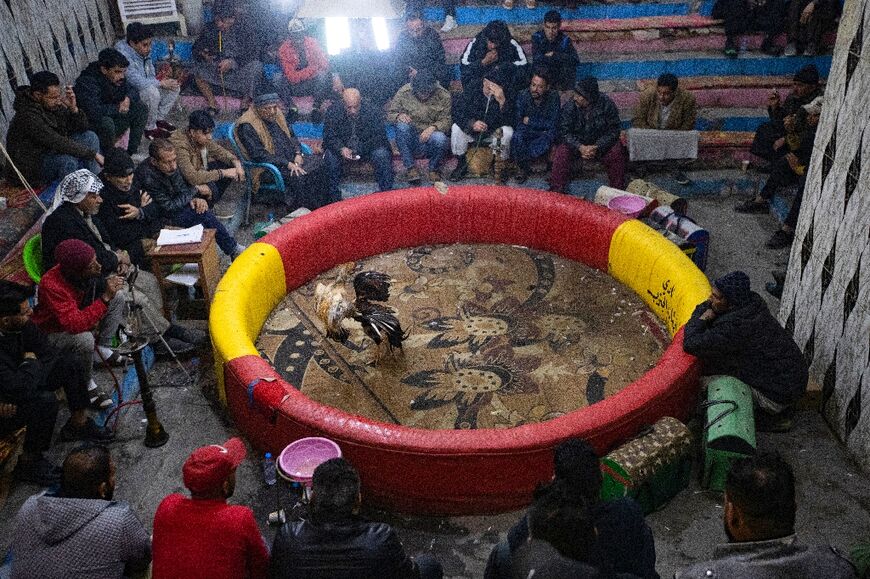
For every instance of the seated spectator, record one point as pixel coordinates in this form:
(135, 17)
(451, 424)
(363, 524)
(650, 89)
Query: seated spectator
(110, 102)
(759, 516)
(179, 203)
(158, 95)
(553, 49)
(80, 531)
(483, 114)
(354, 130)
(48, 137)
(734, 334)
(537, 123)
(494, 48)
(73, 301)
(334, 542)
(784, 236)
(305, 68)
(129, 215)
(791, 169)
(221, 60)
(421, 111)
(30, 371)
(808, 20)
(667, 107)
(590, 128)
(624, 541)
(561, 537)
(769, 141)
(202, 162)
(419, 47)
(746, 16)
(74, 215)
(203, 536)
(449, 13)
(265, 137)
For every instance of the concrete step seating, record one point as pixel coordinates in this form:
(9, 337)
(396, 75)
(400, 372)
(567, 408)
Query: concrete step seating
(627, 45)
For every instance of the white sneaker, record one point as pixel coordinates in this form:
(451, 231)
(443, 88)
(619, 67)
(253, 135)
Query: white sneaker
(449, 24)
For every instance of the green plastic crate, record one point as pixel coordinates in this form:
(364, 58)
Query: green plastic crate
(729, 431)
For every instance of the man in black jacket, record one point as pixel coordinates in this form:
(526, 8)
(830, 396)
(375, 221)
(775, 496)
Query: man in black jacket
(419, 47)
(111, 104)
(624, 542)
(734, 334)
(179, 202)
(590, 129)
(354, 130)
(75, 215)
(483, 113)
(48, 136)
(336, 543)
(30, 371)
(128, 213)
(492, 48)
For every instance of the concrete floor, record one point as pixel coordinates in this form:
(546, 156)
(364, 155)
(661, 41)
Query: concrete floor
(834, 496)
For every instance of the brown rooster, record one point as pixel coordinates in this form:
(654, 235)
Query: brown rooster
(379, 322)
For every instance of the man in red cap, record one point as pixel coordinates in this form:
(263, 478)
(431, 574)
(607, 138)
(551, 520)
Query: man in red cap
(203, 536)
(73, 302)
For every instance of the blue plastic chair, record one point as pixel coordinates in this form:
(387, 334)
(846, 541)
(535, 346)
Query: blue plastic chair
(277, 181)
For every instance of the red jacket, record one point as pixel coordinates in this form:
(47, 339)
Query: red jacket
(206, 538)
(317, 63)
(59, 306)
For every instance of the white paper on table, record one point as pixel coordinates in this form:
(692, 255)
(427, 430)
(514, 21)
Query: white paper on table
(187, 275)
(180, 236)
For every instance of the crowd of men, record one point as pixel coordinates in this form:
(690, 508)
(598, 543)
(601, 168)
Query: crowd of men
(515, 112)
(569, 532)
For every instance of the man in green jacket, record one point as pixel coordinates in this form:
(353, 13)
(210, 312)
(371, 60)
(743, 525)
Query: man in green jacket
(48, 137)
(421, 111)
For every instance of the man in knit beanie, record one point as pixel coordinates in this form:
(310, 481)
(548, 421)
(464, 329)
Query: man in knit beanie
(73, 302)
(733, 333)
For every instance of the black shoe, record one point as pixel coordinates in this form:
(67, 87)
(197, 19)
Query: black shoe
(778, 276)
(316, 116)
(779, 240)
(460, 171)
(682, 178)
(190, 335)
(774, 289)
(752, 206)
(39, 472)
(179, 347)
(88, 431)
(167, 126)
(522, 175)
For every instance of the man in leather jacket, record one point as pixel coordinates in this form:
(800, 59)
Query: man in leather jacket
(336, 543)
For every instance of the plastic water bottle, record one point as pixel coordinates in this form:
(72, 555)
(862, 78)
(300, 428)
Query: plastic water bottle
(269, 472)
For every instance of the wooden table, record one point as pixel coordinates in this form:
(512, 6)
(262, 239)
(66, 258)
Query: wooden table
(204, 254)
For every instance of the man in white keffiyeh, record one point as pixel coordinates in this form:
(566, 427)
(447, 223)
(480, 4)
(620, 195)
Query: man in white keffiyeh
(73, 215)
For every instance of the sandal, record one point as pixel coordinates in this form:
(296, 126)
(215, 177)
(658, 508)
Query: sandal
(100, 401)
(108, 356)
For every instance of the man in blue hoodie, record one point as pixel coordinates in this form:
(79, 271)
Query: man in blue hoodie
(158, 95)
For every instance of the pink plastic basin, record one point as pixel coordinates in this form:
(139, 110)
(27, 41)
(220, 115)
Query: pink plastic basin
(630, 205)
(299, 459)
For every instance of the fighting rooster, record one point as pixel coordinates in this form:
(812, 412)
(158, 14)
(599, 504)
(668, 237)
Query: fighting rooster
(378, 321)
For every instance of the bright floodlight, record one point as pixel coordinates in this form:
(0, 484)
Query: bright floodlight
(337, 34)
(382, 36)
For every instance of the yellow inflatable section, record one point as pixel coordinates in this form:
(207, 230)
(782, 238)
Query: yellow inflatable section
(250, 290)
(662, 275)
